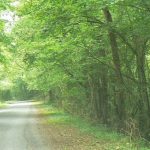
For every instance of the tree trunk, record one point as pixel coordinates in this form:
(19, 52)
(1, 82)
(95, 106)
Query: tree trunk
(144, 105)
(103, 90)
(119, 79)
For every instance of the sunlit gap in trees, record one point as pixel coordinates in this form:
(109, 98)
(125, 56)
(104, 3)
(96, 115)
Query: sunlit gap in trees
(5, 84)
(9, 17)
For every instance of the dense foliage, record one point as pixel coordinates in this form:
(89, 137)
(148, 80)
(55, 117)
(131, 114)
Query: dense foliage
(90, 57)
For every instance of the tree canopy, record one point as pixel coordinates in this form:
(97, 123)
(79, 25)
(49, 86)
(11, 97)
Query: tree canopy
(90, 57)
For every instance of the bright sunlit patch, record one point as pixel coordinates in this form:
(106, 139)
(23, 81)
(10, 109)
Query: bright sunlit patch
(5, 84)
(15, 4)
(21, 103)
(10, 18)
(7, 16)
(17, 107)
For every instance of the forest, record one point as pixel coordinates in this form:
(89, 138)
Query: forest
(88, 57)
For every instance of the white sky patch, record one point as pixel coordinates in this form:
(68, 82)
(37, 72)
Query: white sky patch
(7, 16)
(15, 4)
(10, 18)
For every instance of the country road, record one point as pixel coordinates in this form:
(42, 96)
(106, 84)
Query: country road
(21, 129)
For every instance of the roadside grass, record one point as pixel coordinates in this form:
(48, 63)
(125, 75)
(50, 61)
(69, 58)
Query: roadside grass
(2, 104)
(113, 140)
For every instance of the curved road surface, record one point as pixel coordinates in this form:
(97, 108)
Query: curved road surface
(20, 128)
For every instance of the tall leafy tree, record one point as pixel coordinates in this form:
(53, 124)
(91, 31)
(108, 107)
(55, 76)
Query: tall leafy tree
(90, 57)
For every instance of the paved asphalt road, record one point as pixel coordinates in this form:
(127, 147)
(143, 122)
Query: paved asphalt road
(20, 128)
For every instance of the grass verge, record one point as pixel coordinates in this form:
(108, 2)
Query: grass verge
(112, 139)
(2, 104)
